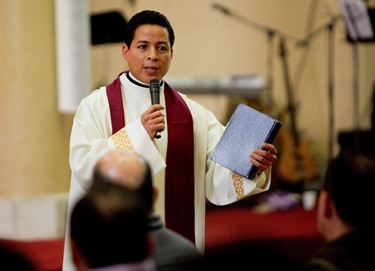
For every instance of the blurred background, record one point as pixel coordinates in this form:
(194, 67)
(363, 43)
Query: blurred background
(293, 56)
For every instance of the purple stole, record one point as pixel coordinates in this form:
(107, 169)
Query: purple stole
(179, 177)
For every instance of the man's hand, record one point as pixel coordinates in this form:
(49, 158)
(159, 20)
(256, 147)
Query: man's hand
(263, 158)
(153, 120)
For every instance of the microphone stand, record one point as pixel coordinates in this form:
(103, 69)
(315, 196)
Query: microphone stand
(329, 27)
(271, 33)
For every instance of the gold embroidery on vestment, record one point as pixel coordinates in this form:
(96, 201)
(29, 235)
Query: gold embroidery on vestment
(122, 141)
(238, 184)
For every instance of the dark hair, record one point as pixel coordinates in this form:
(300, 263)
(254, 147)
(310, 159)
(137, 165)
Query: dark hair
(145, 190)
(14, 259)
(147, 17)
(351, 169)
(109, 225)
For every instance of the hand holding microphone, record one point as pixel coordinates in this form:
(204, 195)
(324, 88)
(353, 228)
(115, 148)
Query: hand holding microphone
(155, 97)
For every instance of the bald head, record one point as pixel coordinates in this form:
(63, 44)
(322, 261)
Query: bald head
(128, 169)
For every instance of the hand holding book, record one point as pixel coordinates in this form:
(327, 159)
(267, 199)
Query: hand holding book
(264, 157)
(244, 136)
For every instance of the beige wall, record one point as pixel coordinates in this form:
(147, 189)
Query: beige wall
(34, 137)
(210, 44)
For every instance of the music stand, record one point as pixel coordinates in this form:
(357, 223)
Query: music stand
(359, 29)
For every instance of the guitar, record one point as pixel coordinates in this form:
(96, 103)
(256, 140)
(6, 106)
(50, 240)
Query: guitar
(295, 164)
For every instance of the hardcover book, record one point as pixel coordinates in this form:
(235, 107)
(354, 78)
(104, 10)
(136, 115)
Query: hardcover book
(246, 130)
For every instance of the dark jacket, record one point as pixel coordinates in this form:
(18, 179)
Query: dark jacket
(173, 251)
(352, 252)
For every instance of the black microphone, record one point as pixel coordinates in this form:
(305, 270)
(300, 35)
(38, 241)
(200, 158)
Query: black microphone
(155, 97)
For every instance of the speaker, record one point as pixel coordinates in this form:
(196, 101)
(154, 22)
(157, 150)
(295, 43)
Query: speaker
(108, 27)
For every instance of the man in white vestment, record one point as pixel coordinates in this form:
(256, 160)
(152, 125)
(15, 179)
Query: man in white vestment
(121, 116)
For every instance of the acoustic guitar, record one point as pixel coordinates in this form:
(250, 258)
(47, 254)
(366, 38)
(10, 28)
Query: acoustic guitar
(295, 164)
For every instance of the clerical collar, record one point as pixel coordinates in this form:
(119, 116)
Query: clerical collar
(137, 82)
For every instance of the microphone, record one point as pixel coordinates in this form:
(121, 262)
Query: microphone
(155, 97)
(221, 8)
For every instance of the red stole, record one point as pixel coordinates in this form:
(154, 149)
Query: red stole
(179, 178)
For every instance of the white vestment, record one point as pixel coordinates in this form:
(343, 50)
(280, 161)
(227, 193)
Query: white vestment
(92, 136)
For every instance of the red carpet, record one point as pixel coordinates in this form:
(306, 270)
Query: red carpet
(293, 232)
(46, 255)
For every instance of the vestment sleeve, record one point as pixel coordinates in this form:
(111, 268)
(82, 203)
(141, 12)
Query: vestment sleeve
(134, 137)
(91, 137)
(222, 185)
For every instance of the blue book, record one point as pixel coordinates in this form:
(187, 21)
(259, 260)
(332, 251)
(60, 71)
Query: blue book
(246, 130)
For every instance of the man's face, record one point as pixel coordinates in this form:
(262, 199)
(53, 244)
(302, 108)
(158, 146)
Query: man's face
(150, 53)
